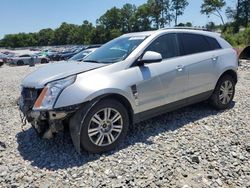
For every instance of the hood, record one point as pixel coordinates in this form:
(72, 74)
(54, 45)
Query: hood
(55, 71)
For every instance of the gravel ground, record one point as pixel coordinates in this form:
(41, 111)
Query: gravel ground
(196, 146)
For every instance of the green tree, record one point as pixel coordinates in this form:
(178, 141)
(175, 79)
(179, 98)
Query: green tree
(213, 7)
(99, 35)
(112, 19)
(128, 18)
(84, 32)
(188, 24)
(143, 18)
(178, 6)
(67, 34)
(240, 15)
(155, 12)
(211, 26)
(45, 37)
(168, 12)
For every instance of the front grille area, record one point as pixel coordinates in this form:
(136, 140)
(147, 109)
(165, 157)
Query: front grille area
(28, 97)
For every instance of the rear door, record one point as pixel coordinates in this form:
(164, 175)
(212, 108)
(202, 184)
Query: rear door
(200, 62)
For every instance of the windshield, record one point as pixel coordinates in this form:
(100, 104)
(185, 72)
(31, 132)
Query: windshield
(115, 50)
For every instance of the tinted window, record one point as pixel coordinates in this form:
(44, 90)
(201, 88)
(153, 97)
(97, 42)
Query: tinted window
(24, 56)
(214, 45)
(193, 43)
(165, 45)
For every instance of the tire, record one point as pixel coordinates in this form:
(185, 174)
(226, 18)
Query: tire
(106, 136)
(20, 63)
(218, 99)
(43, 61)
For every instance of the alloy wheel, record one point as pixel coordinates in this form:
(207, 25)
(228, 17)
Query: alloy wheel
(226, 92)
(105, 126)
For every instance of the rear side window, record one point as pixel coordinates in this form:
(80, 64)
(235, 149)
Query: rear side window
(193, 43)
(166, 45)
(213, 43)
(24, 56)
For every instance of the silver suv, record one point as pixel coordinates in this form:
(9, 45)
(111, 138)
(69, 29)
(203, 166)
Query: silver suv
(129, 79)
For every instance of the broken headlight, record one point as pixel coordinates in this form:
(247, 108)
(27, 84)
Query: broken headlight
(50, 93)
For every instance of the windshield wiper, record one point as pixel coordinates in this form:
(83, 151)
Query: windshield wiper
(91, 61)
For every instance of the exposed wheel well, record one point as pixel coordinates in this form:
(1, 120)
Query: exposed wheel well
(232, 73)
(124, 102)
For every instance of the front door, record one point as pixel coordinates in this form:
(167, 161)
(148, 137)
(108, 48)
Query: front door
(164, 82)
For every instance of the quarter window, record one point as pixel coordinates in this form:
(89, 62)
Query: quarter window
(165, 45)
(214, 45)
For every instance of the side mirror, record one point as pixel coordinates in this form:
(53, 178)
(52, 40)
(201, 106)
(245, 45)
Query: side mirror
(150, 57)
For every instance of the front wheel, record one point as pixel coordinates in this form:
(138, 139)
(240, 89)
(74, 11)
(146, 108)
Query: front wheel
(104, 127)
(223, 93)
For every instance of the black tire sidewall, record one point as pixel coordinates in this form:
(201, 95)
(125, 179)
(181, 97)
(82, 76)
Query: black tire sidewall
(86, 143)
(215, 97)
(43, 61)
(20, 63)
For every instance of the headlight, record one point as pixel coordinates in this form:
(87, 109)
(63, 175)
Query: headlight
(49, 94)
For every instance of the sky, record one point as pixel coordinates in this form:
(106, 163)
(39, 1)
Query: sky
(33, 15)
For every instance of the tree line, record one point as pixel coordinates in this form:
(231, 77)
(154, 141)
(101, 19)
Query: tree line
(154, 14)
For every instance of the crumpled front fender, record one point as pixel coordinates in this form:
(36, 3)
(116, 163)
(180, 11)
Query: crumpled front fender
(76, 123)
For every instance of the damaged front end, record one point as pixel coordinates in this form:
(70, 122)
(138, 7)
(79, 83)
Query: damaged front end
(46, 122)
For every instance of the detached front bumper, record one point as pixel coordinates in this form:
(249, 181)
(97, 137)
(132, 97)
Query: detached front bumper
(46, 122)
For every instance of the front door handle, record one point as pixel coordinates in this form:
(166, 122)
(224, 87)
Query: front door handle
(179, 68)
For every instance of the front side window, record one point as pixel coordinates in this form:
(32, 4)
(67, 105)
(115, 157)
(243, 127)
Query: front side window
(115, 50)
(166, 45)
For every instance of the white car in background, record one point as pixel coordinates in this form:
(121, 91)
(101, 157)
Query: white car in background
(27, 59)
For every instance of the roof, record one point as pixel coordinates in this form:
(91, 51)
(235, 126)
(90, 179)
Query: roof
(174, 29)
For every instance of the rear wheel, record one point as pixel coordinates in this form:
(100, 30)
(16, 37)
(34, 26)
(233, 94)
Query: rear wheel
(223, 93)
(19, 63)
(43, 61)
(104, 127)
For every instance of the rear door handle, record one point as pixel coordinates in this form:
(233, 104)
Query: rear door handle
(214, 59)
(179, 68)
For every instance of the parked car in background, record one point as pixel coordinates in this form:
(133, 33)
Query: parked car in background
(78, 50)
(56, 55)
(26, 59)
(80, 56)
(130, 79)
(3, 58)
(1, 62)
(68, 55)
(69, 52)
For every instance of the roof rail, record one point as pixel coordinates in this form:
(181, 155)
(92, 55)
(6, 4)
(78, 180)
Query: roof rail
(191, 28)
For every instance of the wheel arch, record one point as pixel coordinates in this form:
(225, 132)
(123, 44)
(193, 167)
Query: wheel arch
(124, 101)
(75, 129)
(230, 72)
